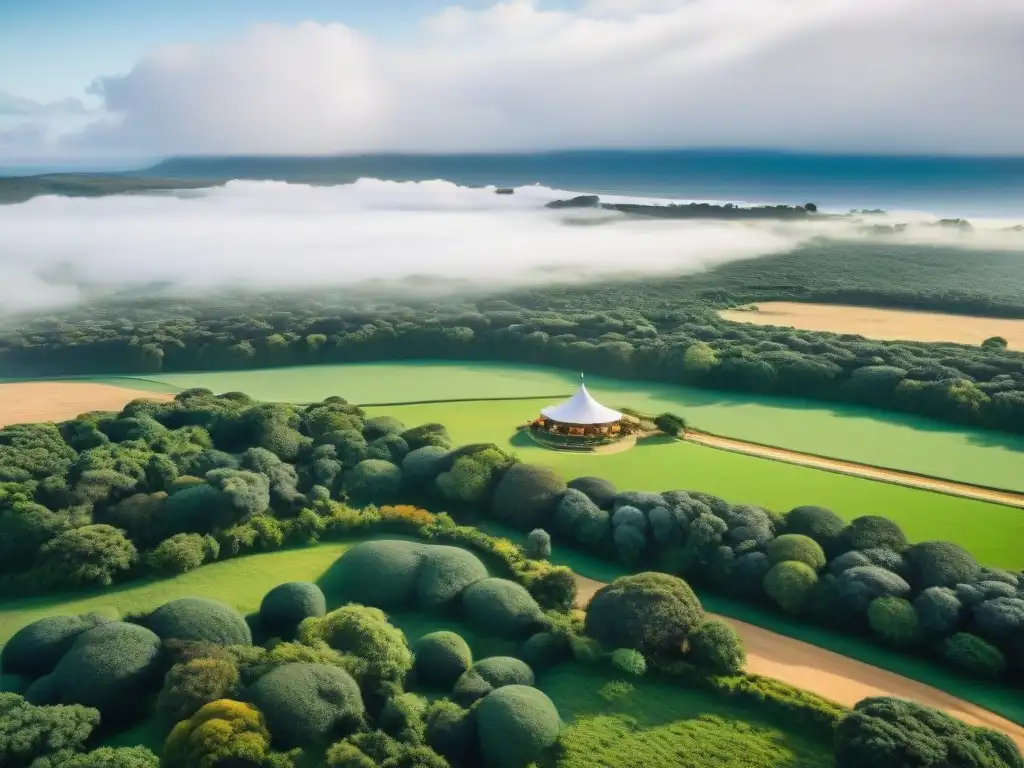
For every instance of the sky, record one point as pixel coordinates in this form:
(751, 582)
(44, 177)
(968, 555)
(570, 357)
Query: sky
(114, 79)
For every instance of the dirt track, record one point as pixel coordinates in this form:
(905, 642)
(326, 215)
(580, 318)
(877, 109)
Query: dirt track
(860, 470)
(886, 324)
(839, 678)
(58, 400)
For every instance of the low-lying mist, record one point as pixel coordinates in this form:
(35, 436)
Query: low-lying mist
(271, 235)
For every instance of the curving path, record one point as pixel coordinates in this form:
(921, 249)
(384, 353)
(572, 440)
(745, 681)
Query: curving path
(38, 401)
(898, 477)
(833, 676)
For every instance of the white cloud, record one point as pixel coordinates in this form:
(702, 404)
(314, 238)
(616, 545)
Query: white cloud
(271, 235)
(891, 75)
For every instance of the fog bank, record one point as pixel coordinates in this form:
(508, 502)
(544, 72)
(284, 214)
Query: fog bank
(272, 235)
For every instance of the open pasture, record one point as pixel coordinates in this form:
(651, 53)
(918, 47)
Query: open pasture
(884, 324)
(890, 440)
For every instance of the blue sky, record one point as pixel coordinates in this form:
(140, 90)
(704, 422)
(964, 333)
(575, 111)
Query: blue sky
(151, 78)
(52, 49)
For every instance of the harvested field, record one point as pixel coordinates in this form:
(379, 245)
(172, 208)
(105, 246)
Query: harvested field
(884, 324)
(27, 402)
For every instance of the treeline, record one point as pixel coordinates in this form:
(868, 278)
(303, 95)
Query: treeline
(692, 210)
(166, 487)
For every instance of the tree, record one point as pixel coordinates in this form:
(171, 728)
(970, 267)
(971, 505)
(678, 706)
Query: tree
(221, 731)
(28, 732)
(180, 553)
(789, 584)
(373, 481)
(810, 207)
(796, 547)
(716, 646)
(894, 620)
(994, 342)
(527, 496)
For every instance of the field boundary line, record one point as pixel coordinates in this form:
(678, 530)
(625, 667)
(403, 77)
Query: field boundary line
(857, 469)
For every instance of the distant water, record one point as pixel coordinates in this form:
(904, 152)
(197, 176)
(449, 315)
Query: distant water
(946, 186)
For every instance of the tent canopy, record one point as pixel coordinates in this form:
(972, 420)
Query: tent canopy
(581, 408)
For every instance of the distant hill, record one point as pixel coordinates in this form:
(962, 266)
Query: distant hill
(18, 189)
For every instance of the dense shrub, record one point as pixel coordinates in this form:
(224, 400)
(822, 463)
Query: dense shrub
(90, 555)
(378, 426)
(822, 525)
(580, 519)
(893, 733)
(789, 584)
(520, 716)
(940, 564)
(35, 649)
(199, 619)
(651, 612)
(501, 607)
(308, 704)
(873, 531)
(104, 757)
(403, 718)
(538, 545)
(748, 572)
(223, 732)
(629, 662)
(796, 547)
(431, 435)
(393, 574)
(422, 465)
(451, 732)
(716, 647)
(600, 491)
(939, 611)
(972, 654)
(108, 667)
(373, 481)
(1001, 619)
(489, 674)
(544, 649)
(859, 586)
(894, 620)
(629, 534)
(285, 606)
(29, 732)
(441, 657)
(194, 683)
(527, 496)
(388, 448)
(181, 553)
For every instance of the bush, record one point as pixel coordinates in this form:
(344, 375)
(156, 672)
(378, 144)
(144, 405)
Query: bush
(287, 605)
(527, 496)
(180, 553)
(501, 607)
(822, 525)
(629, 662)
(873, 531)
(892, 733)
(796, 547)
(223, 732)
(441, 657)
(748, 574)
(716, 647)
(388, 448)
(894, 620)
(428, 435)
(520, 716)
(308, 704)
(35, 649)
(941, 564)
(859, 586)
(402, 718)
(195, 683)
(90, 555)
(972, 654)
(939, 611)
(395, 574)
(379, 426)
(199, 619)
(373, 481)
(104, 757)
(28, 732)
(108, 668)
(544, 649)
(600, 491)
(789, 584)
(487, 675)
(538, 545)
(650, 612)
(581, 520)
(1001, 619)
(421, 466)
(451, 732)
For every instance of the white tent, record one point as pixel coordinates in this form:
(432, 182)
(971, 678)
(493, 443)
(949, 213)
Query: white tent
(581, 408)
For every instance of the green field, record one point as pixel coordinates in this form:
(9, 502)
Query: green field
(656, 720)
(856, 434)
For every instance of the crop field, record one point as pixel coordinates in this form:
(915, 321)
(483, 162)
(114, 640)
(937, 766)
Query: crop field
(661, 716)
(846, 432)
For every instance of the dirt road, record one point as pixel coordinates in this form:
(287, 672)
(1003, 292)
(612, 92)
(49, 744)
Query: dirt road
(860, 470)
(27, 402)
(839, 678)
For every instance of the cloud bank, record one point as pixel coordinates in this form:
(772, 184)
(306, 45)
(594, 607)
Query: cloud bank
(914, 76)
(273, 236)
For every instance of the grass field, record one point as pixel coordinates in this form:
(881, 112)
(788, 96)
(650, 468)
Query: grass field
(994, 534)
(856, 434)
(657, 722)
